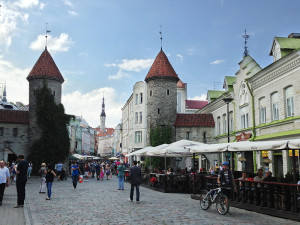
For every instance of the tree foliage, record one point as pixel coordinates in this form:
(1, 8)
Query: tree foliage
(54, 143)
(159, 135)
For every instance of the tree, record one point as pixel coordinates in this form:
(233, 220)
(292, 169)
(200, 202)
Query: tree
(54, 143)
(159, 135)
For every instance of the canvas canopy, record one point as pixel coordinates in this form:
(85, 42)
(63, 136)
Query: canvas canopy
(209, 148)
(257, 146)
(140, 152)
(294, 144)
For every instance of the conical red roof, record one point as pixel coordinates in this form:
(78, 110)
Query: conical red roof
(161, 67)
(45, 67)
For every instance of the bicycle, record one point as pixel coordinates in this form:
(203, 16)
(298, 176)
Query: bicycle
(207, 198)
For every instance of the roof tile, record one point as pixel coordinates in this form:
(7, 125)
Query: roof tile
(161, 67)
(194, 120)
(14, 116)
(195, 104)
(45, 67)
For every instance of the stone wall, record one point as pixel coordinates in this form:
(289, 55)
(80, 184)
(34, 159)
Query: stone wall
(17, 144)
(162, 103)
(35, 84)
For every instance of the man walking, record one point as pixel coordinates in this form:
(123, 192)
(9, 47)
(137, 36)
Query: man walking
(135, 176)
(4, 179)
(21, 172)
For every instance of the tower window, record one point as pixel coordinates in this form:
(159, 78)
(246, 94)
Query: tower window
(204, 137)
(188, 135)
(15, 132)
(53, 93)
(34, 91)
(168, 92)
(150, 92)
(158, 111)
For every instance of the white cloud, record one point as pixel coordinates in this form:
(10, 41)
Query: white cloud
(42, 5)
(26, 3)
(218, 61)
(68, 3)
(201, 97)
(16, 83)
(89, 105)
(60, 44)
(180, 57)
(191, 51)
(10, 20)
(83, 54)
(121, 74)
(73, 13)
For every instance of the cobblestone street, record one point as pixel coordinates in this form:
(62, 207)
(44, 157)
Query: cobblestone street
(99, 202)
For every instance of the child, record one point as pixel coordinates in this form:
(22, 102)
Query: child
(101, 174)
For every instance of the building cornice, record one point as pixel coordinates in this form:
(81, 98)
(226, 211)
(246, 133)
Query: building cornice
(275, 70)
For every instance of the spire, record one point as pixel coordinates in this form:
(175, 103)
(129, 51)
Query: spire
(4, 94)
(46, 36)
(103, 108)
(161, 37)
(162, 68)
(246, 37)
(45, 67)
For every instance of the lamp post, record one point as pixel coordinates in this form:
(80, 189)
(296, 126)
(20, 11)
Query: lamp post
(227, 101)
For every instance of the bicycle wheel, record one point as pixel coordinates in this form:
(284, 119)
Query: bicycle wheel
(222, 204)
(205, 200)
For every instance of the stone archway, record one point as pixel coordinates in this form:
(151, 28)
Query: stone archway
(8, 155)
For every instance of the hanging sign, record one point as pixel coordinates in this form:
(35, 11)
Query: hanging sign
(243, 137)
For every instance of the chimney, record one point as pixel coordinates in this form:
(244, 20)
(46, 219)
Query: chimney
(294, 35)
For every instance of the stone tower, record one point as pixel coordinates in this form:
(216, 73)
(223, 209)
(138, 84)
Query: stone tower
(161, 94)
(102, 117)
(46, 70)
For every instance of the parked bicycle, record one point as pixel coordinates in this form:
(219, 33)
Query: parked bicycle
(207, 198)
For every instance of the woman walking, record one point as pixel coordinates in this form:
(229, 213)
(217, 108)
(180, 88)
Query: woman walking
(101, 173)
(43, 172)
(49, 180)
(29, 170)
(107, 171)
(75, 174)
(121, 173)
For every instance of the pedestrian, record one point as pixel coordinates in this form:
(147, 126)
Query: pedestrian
(97, 168)
(93, 168)
(107, 171)
(21, 171)
(135, 181)
(49, 180)
(75, 174)
(4, 179)
(86, 172)
(121, 173)
(29, 169)
(226, 180)
(43, 172)
(101, 173)
(59, 168)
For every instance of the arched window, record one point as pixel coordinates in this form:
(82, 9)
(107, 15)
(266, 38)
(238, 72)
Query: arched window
(274, 106)
(262, 110)
(289, 101)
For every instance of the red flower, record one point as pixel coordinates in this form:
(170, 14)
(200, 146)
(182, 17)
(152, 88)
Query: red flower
(153, 180)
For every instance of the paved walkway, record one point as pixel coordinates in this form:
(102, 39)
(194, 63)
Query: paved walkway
(8, 214)
(99, 202)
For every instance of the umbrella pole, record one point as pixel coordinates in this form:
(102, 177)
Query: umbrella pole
(295, 180)
(165, 163)
(194, 189)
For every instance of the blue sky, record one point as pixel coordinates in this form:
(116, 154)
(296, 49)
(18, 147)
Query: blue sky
(106, 46)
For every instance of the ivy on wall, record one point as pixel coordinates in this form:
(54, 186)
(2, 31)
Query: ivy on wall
(54, 143)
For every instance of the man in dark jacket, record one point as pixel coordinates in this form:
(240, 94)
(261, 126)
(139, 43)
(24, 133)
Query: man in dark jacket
(226, 180)
(21, 180)
(135, 176)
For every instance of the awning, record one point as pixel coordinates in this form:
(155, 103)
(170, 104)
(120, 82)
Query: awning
(209, 148)
(294, 144)
(257, 146)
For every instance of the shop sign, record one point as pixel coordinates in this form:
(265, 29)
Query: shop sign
(243, 137)
(296, 153)
(264, 154)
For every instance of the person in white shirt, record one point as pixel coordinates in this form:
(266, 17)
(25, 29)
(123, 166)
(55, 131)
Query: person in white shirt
(4, 179)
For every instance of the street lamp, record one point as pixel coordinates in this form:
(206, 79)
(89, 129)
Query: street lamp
(227, 100)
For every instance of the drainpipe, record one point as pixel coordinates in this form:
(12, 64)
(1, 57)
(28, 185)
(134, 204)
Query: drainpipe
(253, 124)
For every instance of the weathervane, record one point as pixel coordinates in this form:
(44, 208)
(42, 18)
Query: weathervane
(246, 37)
(161, 38)
(47, 31)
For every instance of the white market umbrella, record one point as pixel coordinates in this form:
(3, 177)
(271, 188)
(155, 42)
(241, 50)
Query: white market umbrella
(294, 144)
(113, 158)
(257, 146)
(209, 148)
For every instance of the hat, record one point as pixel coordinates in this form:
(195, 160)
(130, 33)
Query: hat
(43, 164)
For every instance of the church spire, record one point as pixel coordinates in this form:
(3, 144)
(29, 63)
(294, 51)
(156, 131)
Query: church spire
(4, 93)
(102, 117)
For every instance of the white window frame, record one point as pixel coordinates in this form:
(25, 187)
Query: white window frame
(138, 137)
(274, 106)
(262, 110)
(289, 101)
(141, 117)
(136, 120)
